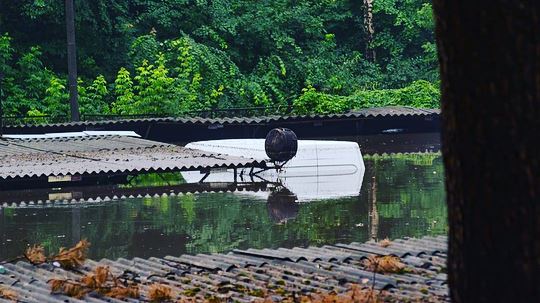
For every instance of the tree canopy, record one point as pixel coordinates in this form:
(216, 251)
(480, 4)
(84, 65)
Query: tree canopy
(175, 56)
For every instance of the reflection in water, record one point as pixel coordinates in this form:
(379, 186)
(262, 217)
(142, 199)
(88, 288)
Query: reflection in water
(321, 170)
(282, 205)
(402, 195)
(373, 213)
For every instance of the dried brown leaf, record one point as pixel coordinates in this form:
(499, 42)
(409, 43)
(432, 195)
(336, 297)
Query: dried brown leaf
(9, 294)
(356, 294)
(101, 274)
(384, 264)
(385, 243)
(159, 293)
(123, 292)
(73, 257)
(56, 284)
(96, 279)
(365, 295)
(36, 254)
(69, 288)
(100, 280)
(89, 281)
(75, 290)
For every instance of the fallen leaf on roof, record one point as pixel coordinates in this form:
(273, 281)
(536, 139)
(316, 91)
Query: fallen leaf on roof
(35, 254)
(69, 288)
(73, 257)
(384, 264)
(9, 294)
(385, 243)
(159, 293)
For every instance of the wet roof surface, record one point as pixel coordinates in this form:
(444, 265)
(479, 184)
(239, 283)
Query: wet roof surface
(388, 111)
(242, 274)
(26, 158)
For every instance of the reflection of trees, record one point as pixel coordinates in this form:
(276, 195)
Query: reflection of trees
(408, 198)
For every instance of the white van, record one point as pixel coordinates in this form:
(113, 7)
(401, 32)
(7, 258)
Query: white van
(320, 169)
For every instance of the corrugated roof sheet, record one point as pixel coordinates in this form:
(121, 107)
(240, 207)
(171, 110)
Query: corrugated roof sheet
(89, 195)
(389, 111)
(23, 158)
(242, 274)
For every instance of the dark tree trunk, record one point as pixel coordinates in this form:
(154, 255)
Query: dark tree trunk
(369, 29)
(489, 54)
(72, 61)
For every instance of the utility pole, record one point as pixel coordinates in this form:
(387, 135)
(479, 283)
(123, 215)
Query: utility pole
(72, 60)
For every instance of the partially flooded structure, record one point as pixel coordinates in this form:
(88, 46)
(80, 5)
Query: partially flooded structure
(96, 158)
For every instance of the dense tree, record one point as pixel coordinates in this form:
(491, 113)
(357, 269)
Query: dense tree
(490, 66)
(220, 53)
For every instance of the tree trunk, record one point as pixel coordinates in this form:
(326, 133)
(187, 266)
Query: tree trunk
(489, 53)
(368, 27)
(72, 61)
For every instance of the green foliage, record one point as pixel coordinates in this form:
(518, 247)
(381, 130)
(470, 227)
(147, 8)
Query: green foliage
(155, 179)
(6, 51)
(312, 101)
(421, 93)
(405, 39)
(55, 98)
(144, 48)
(155, 89)
(93, 98)
(5, 57)
(26, 81)
(177, 56)
(123, 92)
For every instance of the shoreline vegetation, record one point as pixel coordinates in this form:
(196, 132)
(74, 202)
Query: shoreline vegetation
(150, 57)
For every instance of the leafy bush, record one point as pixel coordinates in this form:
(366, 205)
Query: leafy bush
(420, 93)
(312, 101)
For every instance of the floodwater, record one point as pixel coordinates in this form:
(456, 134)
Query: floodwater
(401, 195)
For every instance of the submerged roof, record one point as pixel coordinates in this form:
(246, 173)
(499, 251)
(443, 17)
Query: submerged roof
(42, 157)
(246, 275)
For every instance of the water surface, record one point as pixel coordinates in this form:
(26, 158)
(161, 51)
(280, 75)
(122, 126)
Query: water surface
(402, 195)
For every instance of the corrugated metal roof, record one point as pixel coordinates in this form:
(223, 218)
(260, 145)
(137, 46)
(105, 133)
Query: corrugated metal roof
(25, 158)
(91, 195)
(389, 111)
(242, 274)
